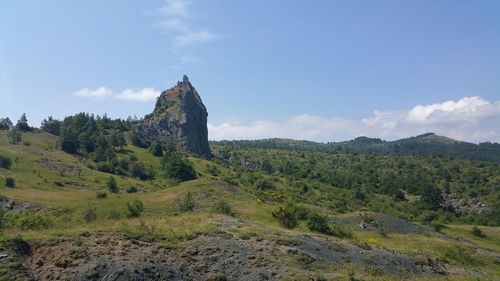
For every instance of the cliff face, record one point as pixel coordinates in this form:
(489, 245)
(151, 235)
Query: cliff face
(179, 117)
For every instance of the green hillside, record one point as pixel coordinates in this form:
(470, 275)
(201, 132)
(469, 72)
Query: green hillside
(426, 144)
(280, 201)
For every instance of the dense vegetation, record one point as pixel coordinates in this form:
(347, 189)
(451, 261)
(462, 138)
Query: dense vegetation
(426, 144)
(414, 187)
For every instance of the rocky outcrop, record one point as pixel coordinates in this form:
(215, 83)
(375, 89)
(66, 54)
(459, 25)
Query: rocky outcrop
(179, 117)
(462, 205)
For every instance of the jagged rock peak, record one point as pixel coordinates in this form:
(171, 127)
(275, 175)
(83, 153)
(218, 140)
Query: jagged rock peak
(179, 117)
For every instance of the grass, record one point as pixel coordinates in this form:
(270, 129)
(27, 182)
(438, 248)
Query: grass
(38, 167)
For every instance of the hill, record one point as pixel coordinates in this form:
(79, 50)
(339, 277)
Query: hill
(250, 214)
(426, 144)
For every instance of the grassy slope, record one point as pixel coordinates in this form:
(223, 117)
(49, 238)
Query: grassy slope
(37, 183)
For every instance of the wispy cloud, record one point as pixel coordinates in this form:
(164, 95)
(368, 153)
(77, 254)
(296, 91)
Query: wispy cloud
(99, 93)
(176, 20)
(144, 94)
(176, 8)
(470, 119)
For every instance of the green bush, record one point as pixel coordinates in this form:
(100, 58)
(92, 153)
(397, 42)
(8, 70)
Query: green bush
(157, 148)
(139, 171)
(32, 220)
(223, 207)
(10, 182)
(263, 184)
(476, 231)
(188, 204)
(132, 189)
(89, 213)
(319, 223)
(286, 215)
(112, 185)
(101, 194)
(14, 136)
(175, 167)
(135, 209)
(5, 162)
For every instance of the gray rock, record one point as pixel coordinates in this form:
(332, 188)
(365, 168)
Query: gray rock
(179, 117)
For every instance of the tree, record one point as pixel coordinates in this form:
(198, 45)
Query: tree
(286, 215)
(51, 125)
(5, 162)
(266, 167)
(188, 203)
(14, 136)
(157, 148)
(22, 124)
(175, 167)
(112, 186)
(117, 139)
(135, 208)
(5, 123)
(431, 197)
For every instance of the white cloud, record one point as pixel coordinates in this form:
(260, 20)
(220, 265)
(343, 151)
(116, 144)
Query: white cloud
(99, 93)
(145, 94)
(177, 8)
(471, 119)
(176, 20)
(467, 109)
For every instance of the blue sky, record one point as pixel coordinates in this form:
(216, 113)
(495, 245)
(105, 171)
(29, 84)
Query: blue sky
(319, 70)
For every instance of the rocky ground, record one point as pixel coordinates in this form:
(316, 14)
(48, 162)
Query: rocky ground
(226, 254)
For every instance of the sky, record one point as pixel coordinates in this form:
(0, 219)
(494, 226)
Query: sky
(316, 70)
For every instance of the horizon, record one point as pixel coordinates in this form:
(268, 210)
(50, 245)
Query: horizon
(344, 70)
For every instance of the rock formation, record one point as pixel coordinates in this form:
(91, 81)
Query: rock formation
(180, 118)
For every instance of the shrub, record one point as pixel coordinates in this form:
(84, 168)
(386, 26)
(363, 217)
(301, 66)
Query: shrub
(132, 189)
(112, 186)
(188, 204)
(14, 136)
(399, 195)
(32, 221)
(319, 223)
(175, 167)
(10, 182)
(476, 231)
(101, 194)
(138, 141)
(89, 213)
(5, 162)
(157, 148)
(224, 207)
(263, 184)
(135, 208)
(287, 216)
(105, 167)
(139, 171)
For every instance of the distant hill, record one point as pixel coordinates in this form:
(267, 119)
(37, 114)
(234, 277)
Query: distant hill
(426, 144)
